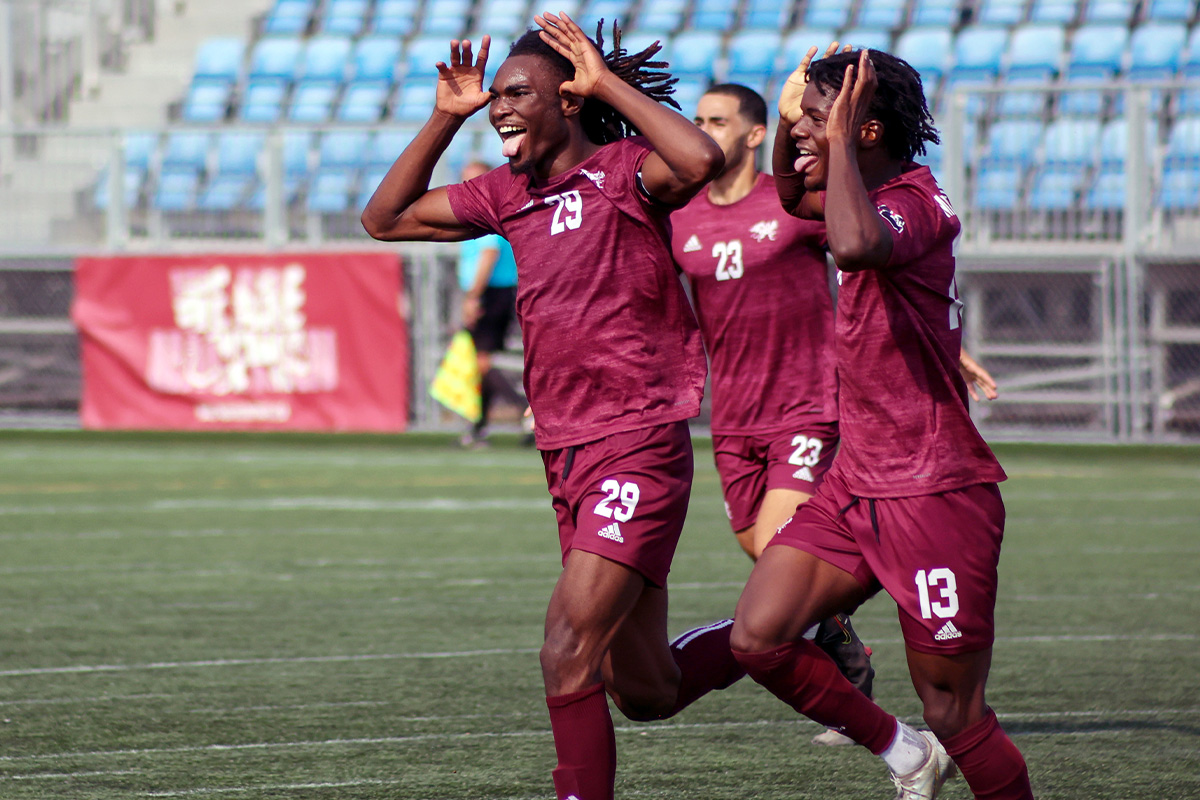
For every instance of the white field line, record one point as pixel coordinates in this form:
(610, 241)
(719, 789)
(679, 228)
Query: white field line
(267, 504)
(83, 669)
(641, 730)
(270, 787)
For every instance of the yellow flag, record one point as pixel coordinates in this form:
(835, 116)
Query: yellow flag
(456, 382)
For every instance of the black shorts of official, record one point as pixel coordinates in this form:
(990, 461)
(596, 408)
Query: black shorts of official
(497, 307)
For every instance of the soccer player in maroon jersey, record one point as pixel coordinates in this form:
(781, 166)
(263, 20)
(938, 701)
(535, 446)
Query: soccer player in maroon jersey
(761, 295)
(911, 503)
(614, 364)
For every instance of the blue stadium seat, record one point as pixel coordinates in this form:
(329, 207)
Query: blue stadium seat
(262, 100)
(1107, 192)
(1114, 141)
(394, 17)
(312, 101)
(297, 152)
(207, 100)
(176, 189)
(237, 152)
(371, 179)
(1001, 12)
(1012, 143)
(1190, 65)
(289, 17)
(713, 15)
(1035, 51)
(422, 55)
(828, 14)
(1180, 189)
(1096, 54)
(1071, 141)
(1061, 12)
(225, 192)
(927, 50)
(374, 58)
(663, 16)
(1056, 189)
(363, 101)
(695, 53)
(446, 18)
(1183, 141)
(637, 41)
(416, 102)
(329, 191)
(345, 17)
(689, 91)
(868, 39)
(767, 15)
(219, 58)
(594, 11)
(977, 54)
(186, 149)
(275, 57)
(131, 188)
(1170, 10)
(343, 149)
(387, 145)
(325, 58)
(1118, 12)
(796, 44)
(504, 17)
(752, 53)
(1155, 51)
(936, 13)
(887, 15)
(139, 149)
(997, 188)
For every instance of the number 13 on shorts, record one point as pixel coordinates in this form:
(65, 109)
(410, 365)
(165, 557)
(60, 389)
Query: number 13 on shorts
(941, 581)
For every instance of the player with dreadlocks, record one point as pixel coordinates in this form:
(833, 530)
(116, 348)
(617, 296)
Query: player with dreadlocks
(614, 365)
(911, 504)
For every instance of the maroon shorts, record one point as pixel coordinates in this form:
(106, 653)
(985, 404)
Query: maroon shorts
(624, 497)
(751, 465)
(936, 555)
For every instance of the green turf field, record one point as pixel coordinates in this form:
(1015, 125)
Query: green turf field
(324, 617)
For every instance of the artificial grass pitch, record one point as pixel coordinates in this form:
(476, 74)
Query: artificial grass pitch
(359, 617)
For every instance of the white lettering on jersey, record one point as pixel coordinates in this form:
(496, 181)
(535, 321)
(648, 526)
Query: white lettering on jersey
(765, 230)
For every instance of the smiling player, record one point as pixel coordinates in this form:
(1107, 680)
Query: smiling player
(614, 365)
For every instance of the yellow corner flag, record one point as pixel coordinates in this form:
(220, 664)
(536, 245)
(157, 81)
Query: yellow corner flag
(456, 383)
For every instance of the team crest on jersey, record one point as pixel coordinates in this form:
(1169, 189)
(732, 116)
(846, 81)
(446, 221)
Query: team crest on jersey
(944, 204)
(765, 230)
(692, 244)
(595, 177)
(893, 219)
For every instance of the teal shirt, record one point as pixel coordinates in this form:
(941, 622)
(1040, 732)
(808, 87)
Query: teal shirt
(503, 274)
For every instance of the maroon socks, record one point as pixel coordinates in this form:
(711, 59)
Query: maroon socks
(585, 743)
(989, 762)
(803, 676)
(706, 663)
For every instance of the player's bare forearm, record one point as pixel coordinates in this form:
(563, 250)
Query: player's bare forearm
(859, 238)
(401, 209)
(789, 184)
(685, 158)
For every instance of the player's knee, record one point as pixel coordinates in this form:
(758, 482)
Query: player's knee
(947, 714)
(753, 633)
(565, 657)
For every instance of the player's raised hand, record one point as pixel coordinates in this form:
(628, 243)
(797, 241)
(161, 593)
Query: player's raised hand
(561, 33)
(849, 112)
(797, 82)
(460, 85)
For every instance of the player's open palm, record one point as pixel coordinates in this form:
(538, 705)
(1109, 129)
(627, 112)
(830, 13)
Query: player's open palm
(793, 89)
(561, 33)
(460, 84)
(850, 110)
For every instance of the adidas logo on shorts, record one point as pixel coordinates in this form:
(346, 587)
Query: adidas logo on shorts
(614, 532)
(948, 632)
(803, 474)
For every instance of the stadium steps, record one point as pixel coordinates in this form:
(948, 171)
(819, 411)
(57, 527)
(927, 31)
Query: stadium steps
(41, 193)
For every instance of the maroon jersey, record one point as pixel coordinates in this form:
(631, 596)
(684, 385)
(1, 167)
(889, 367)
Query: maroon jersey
(903, 403)
(761, 293)
(611, 344)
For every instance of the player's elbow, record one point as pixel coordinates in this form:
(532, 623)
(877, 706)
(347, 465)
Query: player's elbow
(385, 228)
(709, 163)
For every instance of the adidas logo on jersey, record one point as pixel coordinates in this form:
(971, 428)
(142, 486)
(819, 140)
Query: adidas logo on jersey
(614, 532)
(803, 474)
(692, 244)
(948, 632)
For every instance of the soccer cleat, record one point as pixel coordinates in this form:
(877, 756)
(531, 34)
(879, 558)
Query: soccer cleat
(926, 781)
(831, 738)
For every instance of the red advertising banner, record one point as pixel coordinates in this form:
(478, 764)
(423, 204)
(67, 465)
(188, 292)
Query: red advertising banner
(299, 342)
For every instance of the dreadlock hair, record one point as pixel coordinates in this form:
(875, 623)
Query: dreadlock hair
(899, 102)
(601, 122)
(750, 103)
